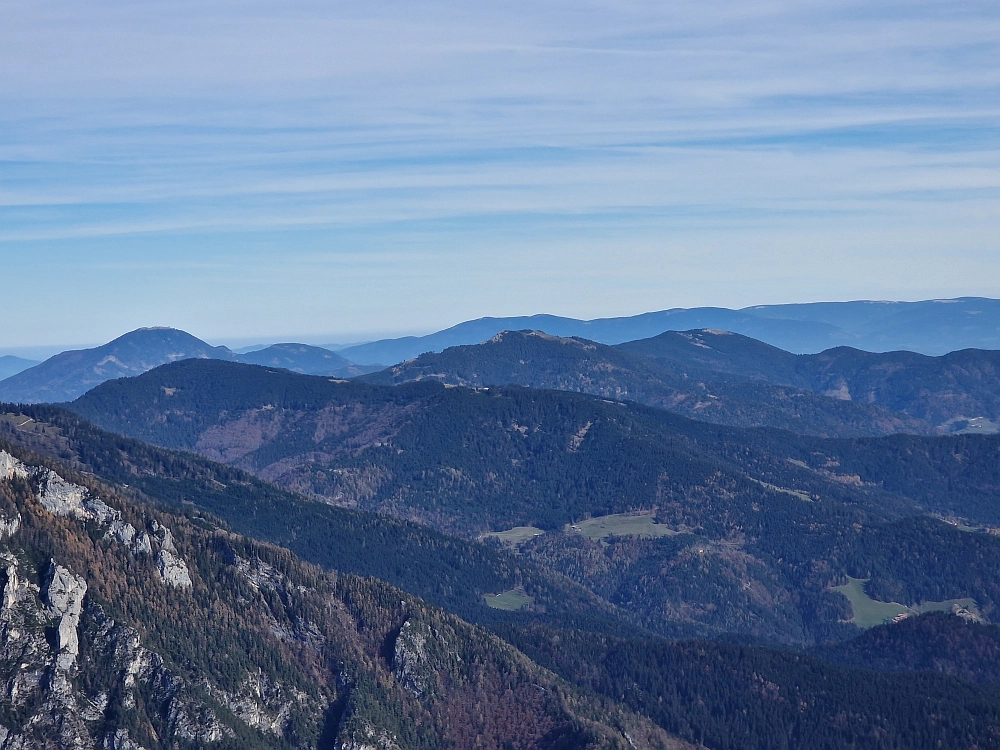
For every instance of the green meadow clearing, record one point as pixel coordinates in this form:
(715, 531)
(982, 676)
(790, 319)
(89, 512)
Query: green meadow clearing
(869, 612)
(515, 535)
(620, 524)
(511, 601)
(784, 490)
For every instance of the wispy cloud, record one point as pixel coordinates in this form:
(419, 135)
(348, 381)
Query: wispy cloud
(247, 130)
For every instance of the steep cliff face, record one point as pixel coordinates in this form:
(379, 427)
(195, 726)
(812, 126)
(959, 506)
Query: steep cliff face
(76, 676)
(125, 628)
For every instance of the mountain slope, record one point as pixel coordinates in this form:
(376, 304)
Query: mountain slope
(302, 358)
(450, 572)
(755, 527)
(690, 388)
(10, 365)
(738, 697)
(935, 642)
(955, 391)
(127, 627)
(67, 375)
(403, 685)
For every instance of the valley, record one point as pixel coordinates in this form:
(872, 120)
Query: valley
(754, 558)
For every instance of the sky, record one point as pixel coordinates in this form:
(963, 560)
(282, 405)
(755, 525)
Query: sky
(334, 171)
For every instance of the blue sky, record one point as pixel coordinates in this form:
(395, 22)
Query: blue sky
(338, 171)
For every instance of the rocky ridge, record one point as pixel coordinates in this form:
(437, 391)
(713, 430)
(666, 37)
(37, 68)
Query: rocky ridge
(124, 628)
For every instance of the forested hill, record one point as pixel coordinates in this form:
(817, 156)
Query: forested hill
(397, 678)
(446, 571)
(690, 388)
(751, 529)
(731, 379)
(958, 391)
(125, 627)
(463, 457)
(934, 642)
(456, 458)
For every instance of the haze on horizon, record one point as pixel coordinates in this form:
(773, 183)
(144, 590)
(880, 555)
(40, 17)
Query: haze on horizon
(261, 169)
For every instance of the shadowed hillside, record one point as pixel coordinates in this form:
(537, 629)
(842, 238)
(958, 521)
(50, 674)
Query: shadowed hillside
(690, 388)
(125, 626)
(754, 528)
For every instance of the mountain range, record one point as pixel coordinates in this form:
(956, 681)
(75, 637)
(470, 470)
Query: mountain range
(727, 378)
(750, 527)
(253, 651)
(72, 373)
(689, 538)
(683, 385)
(930, 327)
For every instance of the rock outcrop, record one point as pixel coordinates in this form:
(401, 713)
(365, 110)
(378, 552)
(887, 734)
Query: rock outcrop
(11, 467)
(63, 593)
(110, 639)
(173, 569)
(9, 525)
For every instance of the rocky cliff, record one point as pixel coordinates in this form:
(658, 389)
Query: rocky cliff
(124, 628)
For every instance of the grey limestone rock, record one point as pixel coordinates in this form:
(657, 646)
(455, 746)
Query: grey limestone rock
(137, 542)
(64, 594)
(120, 740)
(261, 702)
(9, 525)
(363, 735)
(410, 662)
(173, 570)
(10, 467)
(62, 498)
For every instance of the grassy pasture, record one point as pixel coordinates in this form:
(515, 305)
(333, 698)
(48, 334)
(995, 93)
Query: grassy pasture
(511, 601)
(946, 605)
(784, 490)
(620, 524)
(515, 535)
(869, 612)
(23, 423)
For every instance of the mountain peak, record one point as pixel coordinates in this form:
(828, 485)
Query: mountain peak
(72, 373)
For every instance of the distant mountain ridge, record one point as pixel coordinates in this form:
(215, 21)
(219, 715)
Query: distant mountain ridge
(931, 327)
(71, 374)
(681, 386)
(11, 365)
(303, 359)
(727, 378)
(954, 392)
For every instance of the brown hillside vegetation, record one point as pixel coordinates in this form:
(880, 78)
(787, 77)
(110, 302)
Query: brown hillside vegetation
(122, 624)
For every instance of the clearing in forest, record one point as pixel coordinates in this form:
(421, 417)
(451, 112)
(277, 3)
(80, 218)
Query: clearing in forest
(511, 601)
(516, 535)
(621, 524)
(870, 612)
